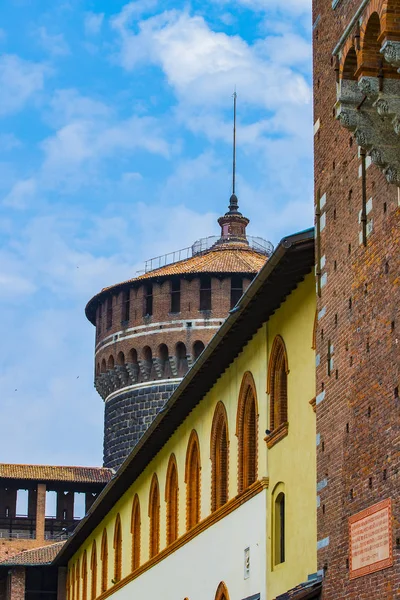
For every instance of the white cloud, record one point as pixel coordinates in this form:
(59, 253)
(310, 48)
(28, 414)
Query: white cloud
(131, 11)
(203, 66)
(76, 150)
(21, 194)
(93, 23)
(55, 44)
(289, 49)
(289, 6)
(19, 81)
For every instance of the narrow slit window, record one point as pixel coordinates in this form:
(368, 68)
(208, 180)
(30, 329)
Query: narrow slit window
(109, 312)
(236, 289)
(99, 318)
(205, 292)
(148, 300)
(175, 296)
(126, 306)
(280, 528)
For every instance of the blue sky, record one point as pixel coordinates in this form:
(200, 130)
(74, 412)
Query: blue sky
(115, 146)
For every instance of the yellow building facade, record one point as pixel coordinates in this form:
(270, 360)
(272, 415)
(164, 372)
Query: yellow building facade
(218, 498)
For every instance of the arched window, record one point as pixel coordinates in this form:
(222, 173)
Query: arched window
(104, 561)
(219, 457)
(93, 568)
(110, 362)
(135, 531)
(103, 366)
(247, 432)
(154, 514)
(73, 583)
(171, 498)
(222, 592)
(117, 549)
(121, 359)
(78, 579)
(278, 523)
(192, 480)
(84, 575)
(277, 384)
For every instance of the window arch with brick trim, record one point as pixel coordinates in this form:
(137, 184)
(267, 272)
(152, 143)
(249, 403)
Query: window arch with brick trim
(93, 569)
(154, 515)
(171, 499)
(73, 582)
(192, 480)
(219, 457)
(247, 432)
(278, 524)
(117, 549)
(104, 562)
(277, 389)
(222, 592)
(78, 579)
(84, 575)
(135, 531)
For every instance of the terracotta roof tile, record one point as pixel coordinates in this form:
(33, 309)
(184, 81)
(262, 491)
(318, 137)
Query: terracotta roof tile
(223, 260)
(56, 473)
(38, 556)
(226, 258)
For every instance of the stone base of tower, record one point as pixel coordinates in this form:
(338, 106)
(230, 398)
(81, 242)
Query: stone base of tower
(128, 413)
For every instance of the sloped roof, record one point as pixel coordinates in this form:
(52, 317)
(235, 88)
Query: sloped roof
(38, 556)
(224, 258)
(291, 261)
(309, 590)
(55, 473)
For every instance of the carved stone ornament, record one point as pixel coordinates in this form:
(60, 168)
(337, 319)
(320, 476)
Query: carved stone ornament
(391, 53)
(370, 109)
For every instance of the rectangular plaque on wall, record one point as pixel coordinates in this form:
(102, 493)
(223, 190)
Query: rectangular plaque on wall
(370, 533)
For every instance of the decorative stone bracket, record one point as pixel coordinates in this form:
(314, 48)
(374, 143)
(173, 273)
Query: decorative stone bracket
(370, 109)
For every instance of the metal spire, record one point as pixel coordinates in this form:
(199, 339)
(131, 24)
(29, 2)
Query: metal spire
(233, 202)
(234, 142)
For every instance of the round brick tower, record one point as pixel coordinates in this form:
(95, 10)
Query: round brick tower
(151, 329)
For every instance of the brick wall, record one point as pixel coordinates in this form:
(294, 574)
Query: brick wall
(358, 329)
(16, 586)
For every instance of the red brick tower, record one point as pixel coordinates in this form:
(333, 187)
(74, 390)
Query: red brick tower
(357, 174)
(151, 329)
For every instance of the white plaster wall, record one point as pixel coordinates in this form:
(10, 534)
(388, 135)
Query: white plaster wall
(195, 570)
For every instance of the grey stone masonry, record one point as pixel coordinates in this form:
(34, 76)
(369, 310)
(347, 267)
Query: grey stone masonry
(128, 415)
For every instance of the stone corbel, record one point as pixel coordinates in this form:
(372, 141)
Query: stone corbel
(174, 365)
(122, 374)
(133, 371)
(391, 53)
